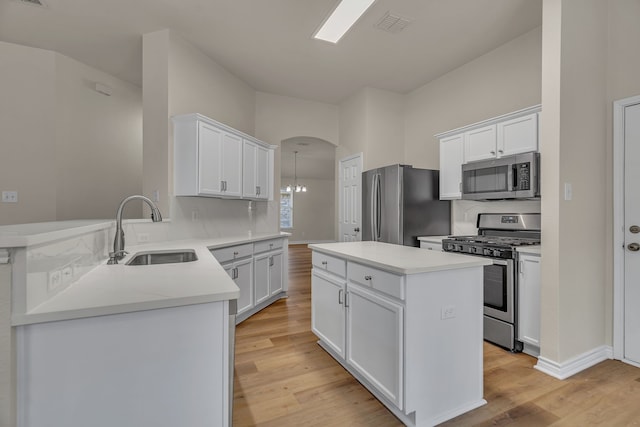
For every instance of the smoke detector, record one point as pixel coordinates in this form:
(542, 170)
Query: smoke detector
(392, 23)
(37, 3)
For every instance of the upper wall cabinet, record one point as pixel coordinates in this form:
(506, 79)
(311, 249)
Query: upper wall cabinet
(512, 136)
(215, 160)
(451, 159)
(258, 162)
(509, 134)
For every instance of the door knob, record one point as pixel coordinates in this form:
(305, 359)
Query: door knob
(634, 229)
(634, 247)
(357, 229)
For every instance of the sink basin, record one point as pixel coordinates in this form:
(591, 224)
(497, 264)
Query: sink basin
(163, 257)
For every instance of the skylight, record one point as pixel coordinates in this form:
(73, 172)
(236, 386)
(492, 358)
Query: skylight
(343, 17)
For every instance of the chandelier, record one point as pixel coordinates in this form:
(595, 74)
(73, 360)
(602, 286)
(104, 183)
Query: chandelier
(297, 187)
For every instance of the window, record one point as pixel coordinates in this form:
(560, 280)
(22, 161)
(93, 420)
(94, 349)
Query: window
(286, 209)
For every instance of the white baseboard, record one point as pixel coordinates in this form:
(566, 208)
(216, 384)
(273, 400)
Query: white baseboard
(309, 242)
(563, 370)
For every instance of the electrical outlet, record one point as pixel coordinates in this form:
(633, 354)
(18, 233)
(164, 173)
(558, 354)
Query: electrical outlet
(67, 274)
(10, 196)
(448, 312)
(143, 237)
(55, 280)
(195, 216)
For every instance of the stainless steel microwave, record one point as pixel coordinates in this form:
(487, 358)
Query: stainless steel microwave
(509, 177)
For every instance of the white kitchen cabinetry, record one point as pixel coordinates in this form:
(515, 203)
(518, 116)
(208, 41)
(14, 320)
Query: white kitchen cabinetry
(517, 135)
(209, 160)
(257, 268)
(327, 309)
(269, 263)
(256, 172)
(529, 302)
(376, 354)
(401, 335)
(164, 367)
(494, 138)
(451, 159)
(431, 246)
(480, 143)
(238, 263)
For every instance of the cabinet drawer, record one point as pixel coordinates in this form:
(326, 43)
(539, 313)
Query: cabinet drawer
(267, 245)
(232, 252)
(328, 263)
(379, 280)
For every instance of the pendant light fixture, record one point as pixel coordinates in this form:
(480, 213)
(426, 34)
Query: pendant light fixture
(297, 187)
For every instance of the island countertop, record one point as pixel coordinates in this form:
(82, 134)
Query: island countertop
(399, 259)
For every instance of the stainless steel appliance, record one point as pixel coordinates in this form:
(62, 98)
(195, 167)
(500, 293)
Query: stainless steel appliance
(498, 236)
(509, 177)
(401, 203)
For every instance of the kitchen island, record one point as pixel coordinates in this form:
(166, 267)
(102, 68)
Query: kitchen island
(405, 322)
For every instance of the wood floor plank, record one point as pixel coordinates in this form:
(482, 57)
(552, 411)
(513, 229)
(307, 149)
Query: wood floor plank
(283, 378)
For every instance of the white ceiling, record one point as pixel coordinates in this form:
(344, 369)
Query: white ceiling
(315, 160)
(268, 44)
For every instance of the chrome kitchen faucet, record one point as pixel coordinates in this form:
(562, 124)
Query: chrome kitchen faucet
(118, 242)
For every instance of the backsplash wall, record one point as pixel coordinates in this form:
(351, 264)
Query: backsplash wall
(464, 213)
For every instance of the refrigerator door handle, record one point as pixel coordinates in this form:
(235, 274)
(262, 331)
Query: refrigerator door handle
(373, 207)
(378, 208)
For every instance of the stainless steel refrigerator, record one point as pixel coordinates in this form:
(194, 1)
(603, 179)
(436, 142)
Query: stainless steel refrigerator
(401, 203)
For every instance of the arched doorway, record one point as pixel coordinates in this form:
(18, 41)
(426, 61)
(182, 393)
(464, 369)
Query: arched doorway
(308, 215)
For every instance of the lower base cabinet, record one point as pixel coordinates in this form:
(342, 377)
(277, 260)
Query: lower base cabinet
(529, 302)
(146, 368)
(375, 341)
(257, 269)
(242, 274)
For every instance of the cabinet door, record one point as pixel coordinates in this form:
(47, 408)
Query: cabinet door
(480, 144)
(451, 159)
(529, 299)
(518, 135)
(327, 310)
(209, 149)
(263, 171)
(375, 341)
(249, 157)
(231, 165)
(261, 278)
(244, 281)
(275, 272)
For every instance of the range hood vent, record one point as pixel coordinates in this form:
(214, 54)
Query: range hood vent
(392, 23)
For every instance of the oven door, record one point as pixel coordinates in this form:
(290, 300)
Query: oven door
(499, 290)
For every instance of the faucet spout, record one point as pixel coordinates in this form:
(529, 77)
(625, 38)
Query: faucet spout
(118, 242)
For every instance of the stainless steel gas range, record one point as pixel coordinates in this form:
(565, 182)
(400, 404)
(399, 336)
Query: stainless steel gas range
(498, 237)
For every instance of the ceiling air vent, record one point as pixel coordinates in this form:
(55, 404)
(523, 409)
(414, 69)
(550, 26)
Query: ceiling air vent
(392, 23)
(38, 3)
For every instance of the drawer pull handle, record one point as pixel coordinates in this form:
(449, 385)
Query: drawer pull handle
(235, 253)
(324, 263)
(367, 277)
(340, 296)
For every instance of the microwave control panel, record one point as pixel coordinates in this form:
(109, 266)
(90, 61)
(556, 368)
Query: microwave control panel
(523, 176)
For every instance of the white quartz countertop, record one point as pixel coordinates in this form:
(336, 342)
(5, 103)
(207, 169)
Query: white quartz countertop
(121, 288)
(399, 259)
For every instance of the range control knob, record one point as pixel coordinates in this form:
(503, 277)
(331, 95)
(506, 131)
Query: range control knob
(496, 253)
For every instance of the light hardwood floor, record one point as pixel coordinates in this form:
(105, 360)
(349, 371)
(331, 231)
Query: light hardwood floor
(283, 378)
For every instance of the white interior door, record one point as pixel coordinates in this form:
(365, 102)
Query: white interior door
(632, 233)
(350, 203)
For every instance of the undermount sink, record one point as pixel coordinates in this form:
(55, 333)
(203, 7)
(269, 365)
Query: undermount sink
(163, 257)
